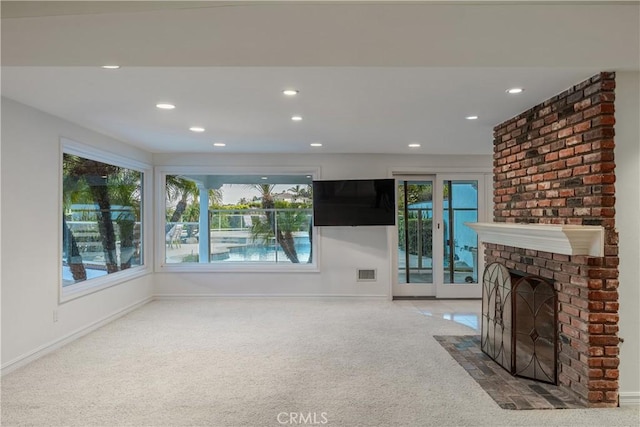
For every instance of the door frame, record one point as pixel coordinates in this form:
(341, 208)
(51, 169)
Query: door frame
(438, 289)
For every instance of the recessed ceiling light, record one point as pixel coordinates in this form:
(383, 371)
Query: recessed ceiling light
(315, 144)
(110, 67)
(196, 129)
(308, 176)
(414, 145)
(264, 177)
(515, 90)
(296, 118)
(290, 92)
(165, 106)
(471, 117)
(219, 144)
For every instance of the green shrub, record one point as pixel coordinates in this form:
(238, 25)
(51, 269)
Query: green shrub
(427, 236)
(191, 258)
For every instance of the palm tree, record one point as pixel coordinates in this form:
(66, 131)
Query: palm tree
(125, 190)
(74, 258)
(215, 196)
(74, 191)
(307, 191)
(297, 192)
(107, 186)
(301, 192)
(181, 189)
(184, 189)
(95, 174)
(287, 223)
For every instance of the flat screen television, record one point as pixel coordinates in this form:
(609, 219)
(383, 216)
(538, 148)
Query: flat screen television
(354, 202)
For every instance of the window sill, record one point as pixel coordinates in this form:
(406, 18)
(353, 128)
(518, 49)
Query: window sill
(87, 287)
(237, 268)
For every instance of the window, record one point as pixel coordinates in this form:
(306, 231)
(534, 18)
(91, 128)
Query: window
(102, 226)
(227, 220)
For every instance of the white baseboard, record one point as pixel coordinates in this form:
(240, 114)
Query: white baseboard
(630, 398)
(23, 360)
(299, 296)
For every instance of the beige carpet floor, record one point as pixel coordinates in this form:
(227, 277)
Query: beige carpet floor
(245, 362)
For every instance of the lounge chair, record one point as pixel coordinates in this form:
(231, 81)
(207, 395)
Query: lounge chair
(174, 235)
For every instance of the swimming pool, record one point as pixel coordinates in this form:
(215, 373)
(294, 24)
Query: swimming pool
(263, 254)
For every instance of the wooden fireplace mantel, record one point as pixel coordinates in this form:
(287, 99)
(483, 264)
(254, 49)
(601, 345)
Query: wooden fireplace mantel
(555, 238)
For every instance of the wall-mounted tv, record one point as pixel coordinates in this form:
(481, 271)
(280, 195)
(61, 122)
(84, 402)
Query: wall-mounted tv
(354, 202)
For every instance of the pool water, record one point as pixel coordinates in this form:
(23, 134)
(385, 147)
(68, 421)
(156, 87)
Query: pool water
(265, 254)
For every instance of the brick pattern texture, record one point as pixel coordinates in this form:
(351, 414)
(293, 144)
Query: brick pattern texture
(555, 164)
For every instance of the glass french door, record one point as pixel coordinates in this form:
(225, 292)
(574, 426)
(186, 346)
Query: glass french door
(460, 202)
(437, 254)
(415, 237)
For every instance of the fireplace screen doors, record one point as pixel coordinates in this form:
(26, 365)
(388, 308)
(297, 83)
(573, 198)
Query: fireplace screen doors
(519, 323)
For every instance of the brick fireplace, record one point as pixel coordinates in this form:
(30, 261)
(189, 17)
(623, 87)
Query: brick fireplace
(554, 164)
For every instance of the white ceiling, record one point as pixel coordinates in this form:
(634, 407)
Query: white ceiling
(373, 76)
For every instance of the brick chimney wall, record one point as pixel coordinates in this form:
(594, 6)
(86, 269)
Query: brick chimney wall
(554, 164)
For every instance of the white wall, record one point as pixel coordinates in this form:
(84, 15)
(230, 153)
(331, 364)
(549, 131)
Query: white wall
(342, 249)
(30, 237)
(30, 247)
(627, 154)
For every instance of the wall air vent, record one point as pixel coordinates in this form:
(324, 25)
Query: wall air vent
(366, 275)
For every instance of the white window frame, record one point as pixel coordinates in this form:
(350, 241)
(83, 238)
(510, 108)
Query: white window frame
(161, 266)
(89, 286)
